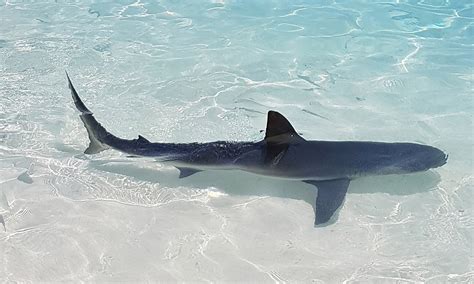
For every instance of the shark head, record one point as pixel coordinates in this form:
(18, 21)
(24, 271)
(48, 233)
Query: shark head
(417, 158)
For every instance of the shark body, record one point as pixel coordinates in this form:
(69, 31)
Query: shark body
(328, 165)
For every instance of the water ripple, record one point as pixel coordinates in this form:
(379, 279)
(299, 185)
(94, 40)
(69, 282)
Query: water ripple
(177, 71)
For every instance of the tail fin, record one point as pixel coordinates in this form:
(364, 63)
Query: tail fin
(77, 100)
(96, 132)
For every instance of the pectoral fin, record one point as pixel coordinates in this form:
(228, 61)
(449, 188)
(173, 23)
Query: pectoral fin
(330, 197)
(185, 172)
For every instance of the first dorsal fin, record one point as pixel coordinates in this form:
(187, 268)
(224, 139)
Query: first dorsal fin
(278, 137)
(279, 128)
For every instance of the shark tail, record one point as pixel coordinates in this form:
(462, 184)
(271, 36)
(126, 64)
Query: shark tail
(93, 129)
(97, 133)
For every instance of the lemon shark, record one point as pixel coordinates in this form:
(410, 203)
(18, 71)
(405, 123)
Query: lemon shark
(283, 153)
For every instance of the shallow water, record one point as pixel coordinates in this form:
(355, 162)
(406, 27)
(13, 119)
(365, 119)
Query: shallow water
(180, 71)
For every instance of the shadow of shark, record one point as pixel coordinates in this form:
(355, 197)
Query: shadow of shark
(328, 165)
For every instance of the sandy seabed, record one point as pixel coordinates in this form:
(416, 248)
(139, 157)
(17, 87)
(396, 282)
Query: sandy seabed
(183, 72)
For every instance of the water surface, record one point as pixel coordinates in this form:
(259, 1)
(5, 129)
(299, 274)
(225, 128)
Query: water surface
(182, 71)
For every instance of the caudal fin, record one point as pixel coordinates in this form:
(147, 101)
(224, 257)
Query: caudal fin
(97, 132)
(77, 100)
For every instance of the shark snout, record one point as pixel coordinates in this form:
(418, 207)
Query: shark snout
(436, 158)
(425, 158)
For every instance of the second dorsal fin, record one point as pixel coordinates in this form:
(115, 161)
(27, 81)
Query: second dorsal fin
(142, 139)
(279, 128)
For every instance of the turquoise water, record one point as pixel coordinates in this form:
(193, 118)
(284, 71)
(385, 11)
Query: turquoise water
(182, 71)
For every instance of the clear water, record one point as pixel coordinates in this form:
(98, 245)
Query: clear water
(185, 71)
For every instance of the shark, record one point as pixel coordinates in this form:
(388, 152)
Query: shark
(283, 153)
